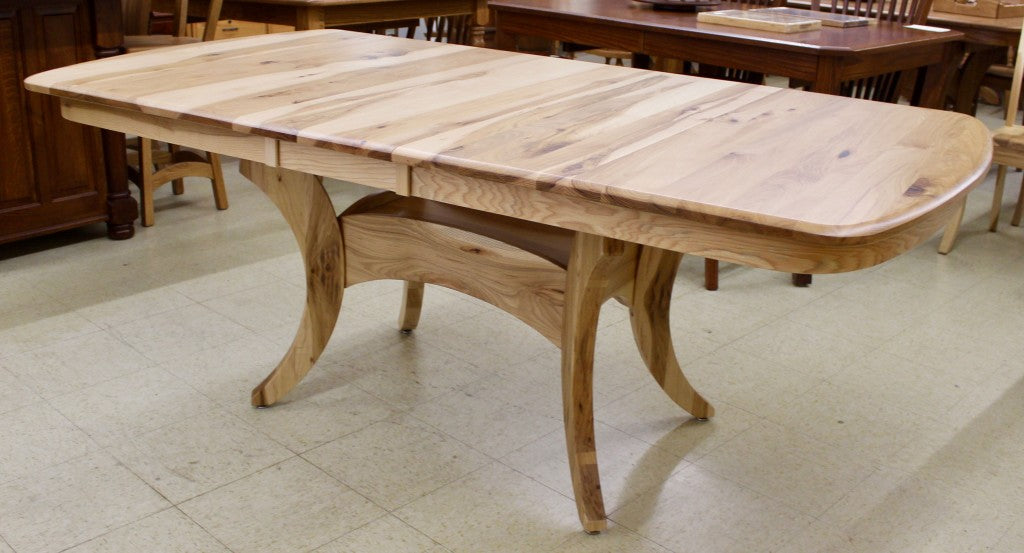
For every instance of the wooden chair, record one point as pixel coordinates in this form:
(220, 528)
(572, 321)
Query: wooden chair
(1007, 151)
(453, 29)
(156, 167)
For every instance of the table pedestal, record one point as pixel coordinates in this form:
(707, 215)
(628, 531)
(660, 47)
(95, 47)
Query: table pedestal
(552, 279)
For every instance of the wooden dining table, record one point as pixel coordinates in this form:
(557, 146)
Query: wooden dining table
(543, 186)
(319, 14)
(987, 41)
(824, 58)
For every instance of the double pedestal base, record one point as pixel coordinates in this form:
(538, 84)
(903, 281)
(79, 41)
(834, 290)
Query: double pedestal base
(552, 279)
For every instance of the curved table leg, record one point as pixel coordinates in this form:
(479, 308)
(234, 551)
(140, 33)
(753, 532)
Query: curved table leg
(652, 297)
(597, 268)
(308, 209)
(412, 304)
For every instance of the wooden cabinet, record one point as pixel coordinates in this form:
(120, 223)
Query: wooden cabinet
(55, 174)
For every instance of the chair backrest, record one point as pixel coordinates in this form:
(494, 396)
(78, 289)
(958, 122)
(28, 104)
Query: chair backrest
(137, 14)
(1013, 100)
(453, 29)
(907, 12)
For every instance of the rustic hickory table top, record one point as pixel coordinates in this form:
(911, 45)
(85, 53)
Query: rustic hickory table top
(584, 181)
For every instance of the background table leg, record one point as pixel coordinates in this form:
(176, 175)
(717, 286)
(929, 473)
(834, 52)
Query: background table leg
(308, 209)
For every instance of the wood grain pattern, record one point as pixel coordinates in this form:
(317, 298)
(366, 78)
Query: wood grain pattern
(598, 267)
(552, 280)
(307, 208)
(782, 159)
(764, 247)
(383, 241)
(648, 313)
(412, 306)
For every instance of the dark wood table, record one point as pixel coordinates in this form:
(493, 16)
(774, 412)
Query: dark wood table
(824, 58)
(987, 40)
(320, 14)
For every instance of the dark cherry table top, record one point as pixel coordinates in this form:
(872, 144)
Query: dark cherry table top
(627, 13)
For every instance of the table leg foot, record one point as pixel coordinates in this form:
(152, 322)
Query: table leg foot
(412, 304)
(597, 268)
(309, 212)
(652, 297)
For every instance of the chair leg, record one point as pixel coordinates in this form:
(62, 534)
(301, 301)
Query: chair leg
(997, 199)
(710, 274)
(1017, 211)
(146, 176)
(220, 195)
(952, 229)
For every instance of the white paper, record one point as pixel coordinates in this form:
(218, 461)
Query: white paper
(928, 28)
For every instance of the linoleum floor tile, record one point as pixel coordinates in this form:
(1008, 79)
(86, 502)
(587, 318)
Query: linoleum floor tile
(120, 308)
(73, 502)
(131, 405)
(43, 332)
(75, 364)
(862, 426)
(475, 340)
(384, 534)
(222, 283)
(697, 510)
(894, 511)
(264, 307)
(616, 539)
(411, 373)
(396, 461)
(895, 380)
(493, 422)
(747, 381)
(806, 349)
(322, 408)
(168, 531)
(648, 414)
(292, 506)
(806, 475)
(193, 456)
(35, 437)
(13, 393)
(227, 373)
(180, 332)
(495, 508)
(628, 466)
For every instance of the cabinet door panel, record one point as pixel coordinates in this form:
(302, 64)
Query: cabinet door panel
(69, 169)
(52, 175)
(17, 179)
